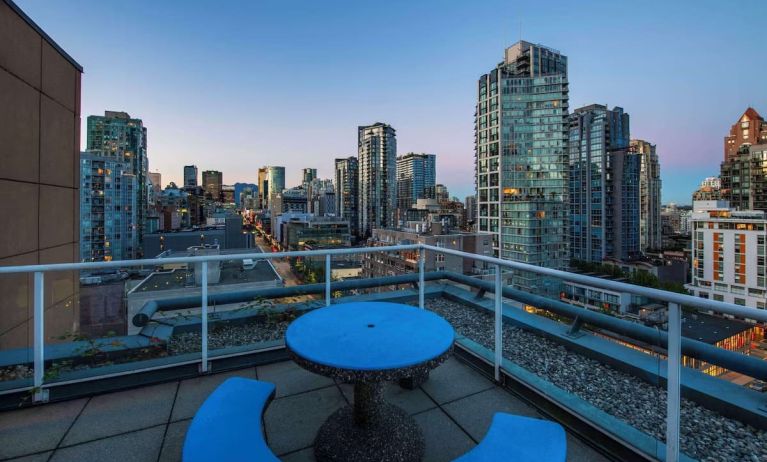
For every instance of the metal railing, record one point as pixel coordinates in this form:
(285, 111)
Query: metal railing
(675, 302)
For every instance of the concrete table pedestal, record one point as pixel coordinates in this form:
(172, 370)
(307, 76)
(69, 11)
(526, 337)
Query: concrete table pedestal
(368, 344)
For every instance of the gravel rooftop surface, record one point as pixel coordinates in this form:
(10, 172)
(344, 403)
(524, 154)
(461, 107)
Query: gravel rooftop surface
(705, 434)
(228, 336)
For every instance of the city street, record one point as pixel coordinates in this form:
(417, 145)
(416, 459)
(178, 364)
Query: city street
(283, 269)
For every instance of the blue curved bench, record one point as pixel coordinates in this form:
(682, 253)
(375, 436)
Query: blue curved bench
(227, 427)
(519, 439)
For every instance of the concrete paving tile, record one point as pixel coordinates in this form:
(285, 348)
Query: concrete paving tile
(306, 455)
(192, 392)
(412, 401)
(123, 411)
(453, 380)
(174, 441)
(140, 446)
(36, 429)
(445, 441)
(292, 422)
(289, 378)
(474, 413)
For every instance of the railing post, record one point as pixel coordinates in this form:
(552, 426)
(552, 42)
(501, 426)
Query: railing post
(498, 323)
(421, 264)
(327, 279)
(204, 328)
(672, 382)
(38, 319)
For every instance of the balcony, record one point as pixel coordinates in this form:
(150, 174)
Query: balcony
(88, 393)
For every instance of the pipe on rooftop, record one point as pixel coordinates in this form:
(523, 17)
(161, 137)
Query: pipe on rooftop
(146, 312)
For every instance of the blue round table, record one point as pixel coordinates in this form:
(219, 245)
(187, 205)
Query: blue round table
(367, 344)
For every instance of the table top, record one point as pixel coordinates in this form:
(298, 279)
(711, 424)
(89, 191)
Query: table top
(369, 336)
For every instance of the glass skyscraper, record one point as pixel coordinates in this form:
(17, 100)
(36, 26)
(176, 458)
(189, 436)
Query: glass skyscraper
(416, 175)
(521, 159)
(117, 135)
(271, 181)
(604, 185)
(347, 181)
(308, 175)
(377, 155)
(649, 196)
(108, 208)
(190, 176)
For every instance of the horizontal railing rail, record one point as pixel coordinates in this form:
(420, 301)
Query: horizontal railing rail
(201, 258)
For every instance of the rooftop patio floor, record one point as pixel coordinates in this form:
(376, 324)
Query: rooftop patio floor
(454, 409)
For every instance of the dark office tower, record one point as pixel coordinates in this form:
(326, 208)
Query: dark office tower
(470, 208)
(190, 176)
(521, 159)
(121, 137)
(416, 174)
(263, 187)
(604, 186)
(649, 196)
(377, 154)
(347, 177)
(212, 184)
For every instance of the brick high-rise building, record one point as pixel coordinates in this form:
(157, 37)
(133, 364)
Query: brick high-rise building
(750, 128)
(213, 183)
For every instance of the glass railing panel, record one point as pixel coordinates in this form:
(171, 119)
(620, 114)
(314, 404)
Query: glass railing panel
(601, 376)
(727, 422)
(571, 342)
(242, 309)
(468, 302)
(16, 330)
(114, 321)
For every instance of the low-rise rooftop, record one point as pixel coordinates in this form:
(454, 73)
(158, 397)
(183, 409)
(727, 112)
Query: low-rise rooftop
(232, 272)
